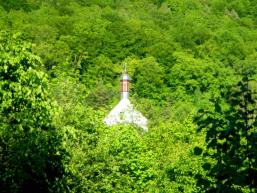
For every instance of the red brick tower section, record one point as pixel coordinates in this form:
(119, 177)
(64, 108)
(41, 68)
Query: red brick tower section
(124, 84)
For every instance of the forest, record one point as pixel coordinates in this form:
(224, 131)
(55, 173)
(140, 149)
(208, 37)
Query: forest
(193, 65)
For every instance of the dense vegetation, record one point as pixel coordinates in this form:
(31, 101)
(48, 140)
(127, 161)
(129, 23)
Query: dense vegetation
(194, 70)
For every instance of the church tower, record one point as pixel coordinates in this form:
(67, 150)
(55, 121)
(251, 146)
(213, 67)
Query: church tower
(124, 112)
(124, 85)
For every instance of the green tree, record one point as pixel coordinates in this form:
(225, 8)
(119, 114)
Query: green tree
(231, 139)
(173, 144)
(148, 79)
(30, 151)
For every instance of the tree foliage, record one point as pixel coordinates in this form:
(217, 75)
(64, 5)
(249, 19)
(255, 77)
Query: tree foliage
(30, 150)
(60, 64)
(231, 138)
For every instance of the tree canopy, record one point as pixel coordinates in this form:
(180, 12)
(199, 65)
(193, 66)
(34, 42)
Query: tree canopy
(194, 72)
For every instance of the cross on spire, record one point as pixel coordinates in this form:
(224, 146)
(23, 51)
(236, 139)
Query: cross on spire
(125, 67)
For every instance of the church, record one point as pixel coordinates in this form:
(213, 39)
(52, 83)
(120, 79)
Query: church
(124, 112)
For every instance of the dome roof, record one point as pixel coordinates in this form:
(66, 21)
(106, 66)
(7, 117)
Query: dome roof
(125, 76)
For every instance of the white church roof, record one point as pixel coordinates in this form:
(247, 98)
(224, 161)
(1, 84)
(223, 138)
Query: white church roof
(125, 113)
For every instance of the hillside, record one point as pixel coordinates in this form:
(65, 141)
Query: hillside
(193, 65)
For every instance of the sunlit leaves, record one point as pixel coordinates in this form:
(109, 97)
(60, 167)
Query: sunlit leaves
(230, 136)
(30, 151)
